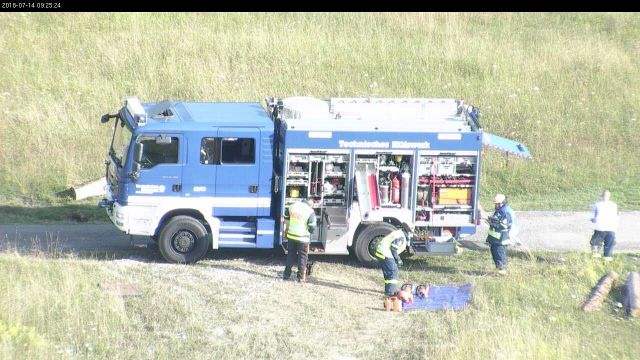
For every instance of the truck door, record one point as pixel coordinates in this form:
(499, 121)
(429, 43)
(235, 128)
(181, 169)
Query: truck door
(237, 175)
(161, 165)
(199, 174)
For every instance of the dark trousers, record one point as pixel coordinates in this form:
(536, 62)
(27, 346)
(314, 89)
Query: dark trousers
(390, 273)
(297, 253)
(609, 239)
(499, 255)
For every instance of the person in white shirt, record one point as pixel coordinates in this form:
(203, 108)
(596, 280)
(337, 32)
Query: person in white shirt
(605, 219)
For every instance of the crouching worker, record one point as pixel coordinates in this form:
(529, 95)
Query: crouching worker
(387, 253)
(302, 222)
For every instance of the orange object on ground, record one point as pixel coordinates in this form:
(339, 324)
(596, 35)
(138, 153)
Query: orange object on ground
(405, 296)
(388, 302)
(392, 303)
(397, 305)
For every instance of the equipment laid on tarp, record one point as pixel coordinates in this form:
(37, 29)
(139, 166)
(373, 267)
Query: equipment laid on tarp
(442, 297)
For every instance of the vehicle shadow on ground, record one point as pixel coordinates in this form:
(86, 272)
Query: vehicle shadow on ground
(53, 245)
(51, 248)
(333, 285)
(65, 213)
(275, 258)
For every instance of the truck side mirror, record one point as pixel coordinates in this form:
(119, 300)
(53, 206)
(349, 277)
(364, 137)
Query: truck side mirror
(105, 118)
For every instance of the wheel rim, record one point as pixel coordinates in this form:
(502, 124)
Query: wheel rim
(183, 241)
(373, 245)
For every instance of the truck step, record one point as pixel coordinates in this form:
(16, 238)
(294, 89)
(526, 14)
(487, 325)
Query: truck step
(237, 234)
(435, 248)
(237, 227)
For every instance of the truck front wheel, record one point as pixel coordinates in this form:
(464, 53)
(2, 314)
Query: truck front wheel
(368, 240)
(183, 240)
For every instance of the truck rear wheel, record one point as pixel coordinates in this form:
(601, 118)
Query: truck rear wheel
(368, 240)
(183, 240)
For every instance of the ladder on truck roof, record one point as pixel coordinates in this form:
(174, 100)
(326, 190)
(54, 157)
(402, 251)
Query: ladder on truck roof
(413, 113)
(448, 112)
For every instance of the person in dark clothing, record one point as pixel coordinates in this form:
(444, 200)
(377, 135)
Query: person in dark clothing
(498, 238)
(302, 222)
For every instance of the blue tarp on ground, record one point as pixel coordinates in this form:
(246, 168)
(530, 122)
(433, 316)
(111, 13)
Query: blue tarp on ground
(442, 298)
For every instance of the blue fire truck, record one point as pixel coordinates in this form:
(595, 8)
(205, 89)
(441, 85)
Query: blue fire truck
(195, 176)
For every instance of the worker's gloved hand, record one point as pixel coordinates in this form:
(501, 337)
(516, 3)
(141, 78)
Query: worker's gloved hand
(399, 262)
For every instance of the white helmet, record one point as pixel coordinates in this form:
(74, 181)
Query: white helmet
(499, 199)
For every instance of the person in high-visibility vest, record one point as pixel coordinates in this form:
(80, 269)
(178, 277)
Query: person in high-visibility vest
(302, 222)
(498, 238)
(387, 252)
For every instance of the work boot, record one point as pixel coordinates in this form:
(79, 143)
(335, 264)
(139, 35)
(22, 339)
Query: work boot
(287, 273)
(502, 271)
(608, 258)
(302, 277)
(310, 266)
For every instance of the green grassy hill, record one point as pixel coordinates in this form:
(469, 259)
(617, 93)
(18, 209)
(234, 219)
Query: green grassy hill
(567, 85)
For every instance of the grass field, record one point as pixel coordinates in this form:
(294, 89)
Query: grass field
(567, 85)
(234, 306)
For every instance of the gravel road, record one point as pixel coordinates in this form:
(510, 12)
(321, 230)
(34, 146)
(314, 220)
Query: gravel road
(539, 230)
(567, 231)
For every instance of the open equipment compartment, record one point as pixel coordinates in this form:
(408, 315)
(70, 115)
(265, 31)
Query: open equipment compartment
(322, 178)
(446, 193)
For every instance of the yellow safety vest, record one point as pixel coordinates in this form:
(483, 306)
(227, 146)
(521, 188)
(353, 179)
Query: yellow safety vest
(383, 250)
(299, 222)
(496, 229)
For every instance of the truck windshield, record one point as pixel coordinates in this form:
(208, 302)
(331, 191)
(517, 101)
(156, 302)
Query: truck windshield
(120, 142)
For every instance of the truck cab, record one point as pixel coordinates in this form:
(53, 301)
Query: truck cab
(192, 175)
